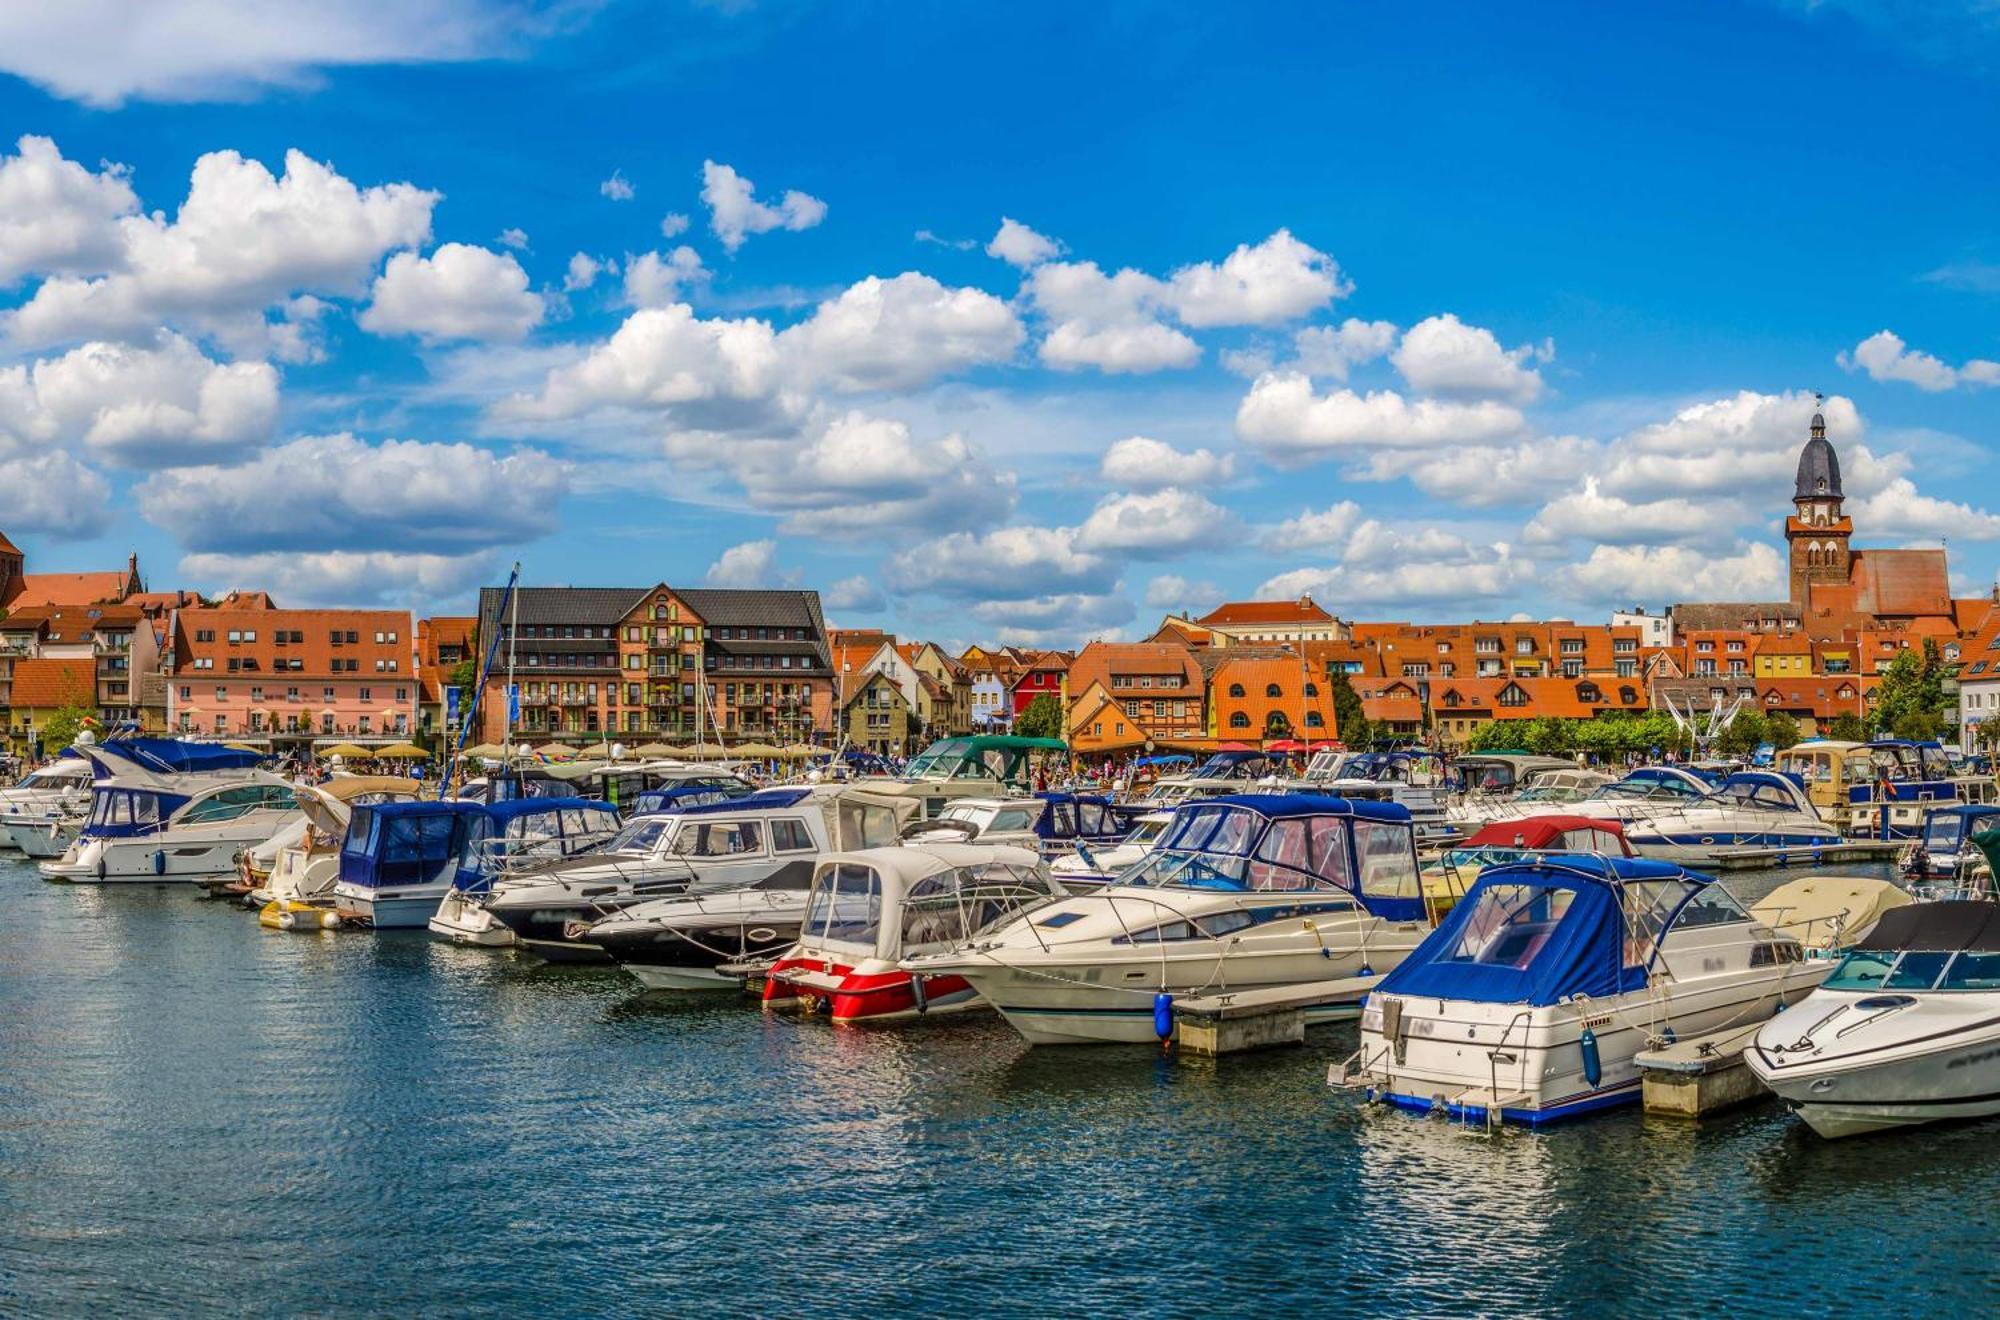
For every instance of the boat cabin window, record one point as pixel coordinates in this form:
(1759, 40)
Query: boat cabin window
(1062, 820)
(1092, 819)
(1943, 832)
(866, 825)
(789, 835)
(1388, 859)
(1972, 971)
(1588, 841)
(1862, 969)
(1919, 969)
(845, 906)
(1750, 793)
(1146, 831)
(120, 808)
(1302, 852)
(721, 838)
(948, 908)
(233, 802)
(1509, 924)
(1212, 829)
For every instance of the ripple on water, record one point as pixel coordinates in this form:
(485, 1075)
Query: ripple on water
(195, 1112)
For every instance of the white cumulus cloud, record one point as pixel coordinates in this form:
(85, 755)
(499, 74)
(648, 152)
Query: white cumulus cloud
(1315, 529)
(1018, 245)
(349, 578)
(617, 188)
(1282, 417)
(1443, 355)
(751, 564)
(653, 280)
(1885, 357)
(901, 332)
(458, 292)
(734, 212)
(1279, 279)
(1163, 522)
(335, 492)
(1141, 463)
(1331, 351)
(56, 217)
(242, 241)
(1615, 574)
(146, 407)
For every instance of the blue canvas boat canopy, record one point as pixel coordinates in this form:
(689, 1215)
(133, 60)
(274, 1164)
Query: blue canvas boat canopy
(413, 843)
(1540, 932)
(655, 801)
(175, 756)
(1279, 805)
(765, 799)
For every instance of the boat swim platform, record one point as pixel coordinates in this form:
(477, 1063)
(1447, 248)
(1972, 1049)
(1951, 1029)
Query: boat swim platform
(1700, 1075)
(1807, 855)
(1232, 1021)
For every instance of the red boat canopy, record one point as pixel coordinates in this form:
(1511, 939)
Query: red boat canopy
(1555, 833)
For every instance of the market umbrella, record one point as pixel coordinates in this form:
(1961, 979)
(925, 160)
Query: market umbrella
(348, 750)
(1235, 747)
(486, 751)
(403, 752)
(556, 752)
(800, 751)
(657, 749)
(758, 751)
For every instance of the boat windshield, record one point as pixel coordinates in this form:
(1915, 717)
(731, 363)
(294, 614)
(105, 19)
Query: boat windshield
(1146, 831)
(1760, 795)
(956, 758)
(123, 811)
(844, 907)
(1650, 786)
(1509, 924)
(1486, 855)
(1944, 833)
(1915, 969)
(1218, 848)
(641, 835)
(946, 909)
(1487, 776)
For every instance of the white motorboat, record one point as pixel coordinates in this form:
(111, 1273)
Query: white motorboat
(527, 832)
(1051, 823)
(1531, 1000)
(1678, 815)
(680, 943)
(301, 863)
(60, 788)
(1242, 891)
(872, 914)
(1413, 779)
(549, 905)
(1905, 1031)
(1093, 865)
(399, 859)
(165, 809)
(42, 837)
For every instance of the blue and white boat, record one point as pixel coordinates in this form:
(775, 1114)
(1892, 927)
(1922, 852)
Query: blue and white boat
(1243, 891)
(1053, 824)
(1681, 815)
(1889, 797)
(168, 809)
(400, 859)
(1944, 863)
(526, 832)
(1530, 1001)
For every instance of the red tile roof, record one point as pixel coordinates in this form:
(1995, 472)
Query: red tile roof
(1238, 612)
(69, 588)
(1901, 583)
(50, 684)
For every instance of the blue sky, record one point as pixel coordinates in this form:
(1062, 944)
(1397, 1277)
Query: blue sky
(1434, 311)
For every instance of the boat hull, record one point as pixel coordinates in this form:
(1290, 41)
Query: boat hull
(853, 995)
(143, 861)
(390, 909)
(1942, 1063)
(462, 919)
(1482, 1062)
(1113, 1002)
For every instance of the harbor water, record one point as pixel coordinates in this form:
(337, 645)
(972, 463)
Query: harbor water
(200, 1115)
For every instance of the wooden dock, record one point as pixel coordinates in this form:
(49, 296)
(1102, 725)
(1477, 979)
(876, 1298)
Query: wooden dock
(1231, 1021)
(1830, 854)
(1700, 1075)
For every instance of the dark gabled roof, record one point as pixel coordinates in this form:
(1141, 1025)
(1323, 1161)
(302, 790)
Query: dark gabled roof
(730, 607)
(597, 606)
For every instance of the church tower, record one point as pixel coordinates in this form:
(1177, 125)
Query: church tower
(1817, 532)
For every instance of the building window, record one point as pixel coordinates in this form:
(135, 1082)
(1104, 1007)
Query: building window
(1236, 690)
(1239, 720)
